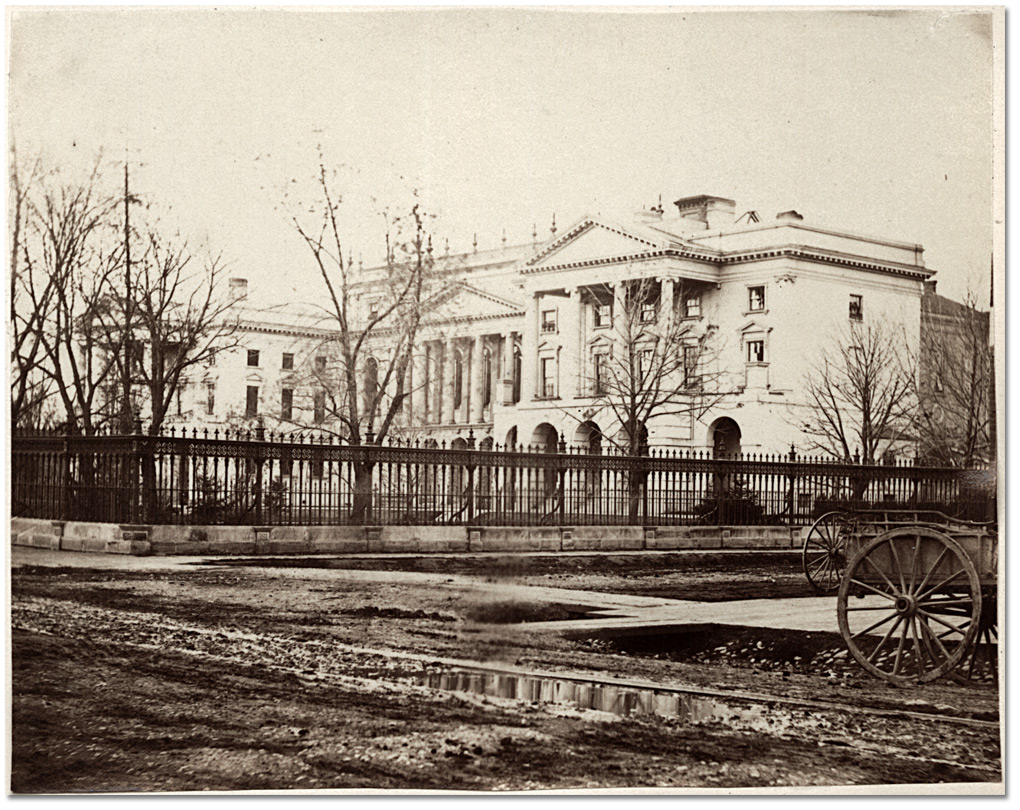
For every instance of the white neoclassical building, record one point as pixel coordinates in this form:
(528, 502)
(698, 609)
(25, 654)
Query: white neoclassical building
(511, 346)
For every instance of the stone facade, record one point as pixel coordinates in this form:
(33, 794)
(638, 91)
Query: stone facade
(507, 350)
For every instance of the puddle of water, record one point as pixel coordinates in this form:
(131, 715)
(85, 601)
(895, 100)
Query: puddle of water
(620, 700)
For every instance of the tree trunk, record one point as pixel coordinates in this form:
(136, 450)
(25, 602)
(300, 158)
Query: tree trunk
(149, 493)
(635, 490)
(361, 511)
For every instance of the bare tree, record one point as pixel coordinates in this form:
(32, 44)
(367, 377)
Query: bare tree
(954, 393)
(182, 318)
(654, 363)
(367, 313)
(860, 394)
(31, 300)
(64, 281)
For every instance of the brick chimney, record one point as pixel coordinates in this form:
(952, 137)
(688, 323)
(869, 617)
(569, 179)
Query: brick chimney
(238, 289)
(715, 212)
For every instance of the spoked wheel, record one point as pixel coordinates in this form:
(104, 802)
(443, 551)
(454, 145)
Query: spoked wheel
(980, 663)
(824, 555)
(909, 605)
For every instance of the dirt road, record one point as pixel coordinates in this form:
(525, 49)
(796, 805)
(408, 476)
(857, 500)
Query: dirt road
(252, 677)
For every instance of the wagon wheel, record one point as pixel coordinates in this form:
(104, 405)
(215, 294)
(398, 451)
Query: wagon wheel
(824, 556)
(980, 663)
(916, 600)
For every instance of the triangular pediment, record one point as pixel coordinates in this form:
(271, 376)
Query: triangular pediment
(592, 240)
(465, 301)
(753, 326)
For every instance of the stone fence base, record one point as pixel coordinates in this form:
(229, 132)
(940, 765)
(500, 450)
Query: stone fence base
(111, 538)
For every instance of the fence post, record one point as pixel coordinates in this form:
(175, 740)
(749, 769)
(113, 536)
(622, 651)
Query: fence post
(135, 485)
(720, 494)
(260, 435)
(470, 493)
(644, 492)
(791, 494)
(561, 480)
(64, 490)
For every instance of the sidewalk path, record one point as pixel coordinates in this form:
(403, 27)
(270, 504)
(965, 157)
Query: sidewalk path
(618, 614)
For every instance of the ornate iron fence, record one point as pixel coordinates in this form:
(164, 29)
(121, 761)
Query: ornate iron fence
(203, 478)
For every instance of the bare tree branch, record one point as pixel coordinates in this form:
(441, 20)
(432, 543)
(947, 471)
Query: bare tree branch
(860, 395)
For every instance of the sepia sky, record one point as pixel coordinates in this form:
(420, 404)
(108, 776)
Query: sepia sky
(875, 122)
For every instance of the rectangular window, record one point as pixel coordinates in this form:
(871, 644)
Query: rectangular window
(603, 315)
(649, 312)
(548, 320)
(137, 358)
(373, 308)
(288, 361)
(210, 397)
(856, 307)
(548, 377)
(287, 403)
(320, 364)
(601, 368)
(516, 393)
(316, 468)
(319, 406)
(755, 299)
(692, 306)
(756, 351)
(251, 407)
(181, 388)
(690, 367)
(253, 357)
(644, 359)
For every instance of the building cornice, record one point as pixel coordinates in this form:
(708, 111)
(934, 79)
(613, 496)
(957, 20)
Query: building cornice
(827, 257)
(744, 257)
(289, 331)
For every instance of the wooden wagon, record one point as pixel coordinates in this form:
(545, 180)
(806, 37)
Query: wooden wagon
(917, 591)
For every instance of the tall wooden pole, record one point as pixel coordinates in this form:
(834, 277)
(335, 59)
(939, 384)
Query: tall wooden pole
(127, 415)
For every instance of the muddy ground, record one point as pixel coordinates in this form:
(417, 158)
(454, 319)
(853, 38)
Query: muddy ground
(251, 677)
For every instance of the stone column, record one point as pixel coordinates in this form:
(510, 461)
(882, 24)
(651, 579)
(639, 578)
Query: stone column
(619, 302)
(529, 350)
(666, 313)
(467, 360)
(506, 369)
(477, 379)
(447, 410)
(429, 384)
(407, 406)
(570, 359)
